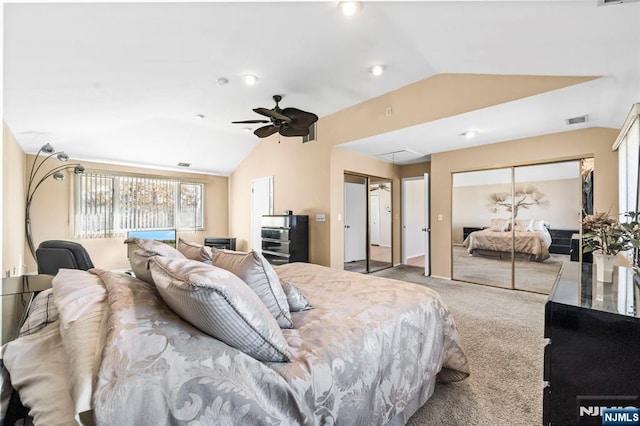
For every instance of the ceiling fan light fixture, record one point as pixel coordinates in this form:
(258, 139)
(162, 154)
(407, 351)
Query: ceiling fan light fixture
(250, 79)
(469, 134)
(350, 8)
(377, 69)
(199, 117)
(247, 129)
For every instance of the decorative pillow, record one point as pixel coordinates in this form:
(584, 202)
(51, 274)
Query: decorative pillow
(499, 225)
(194, 251)
(221, 305)
(524, 225)
(259, 275)
(41, 313)
(295, 298)
(140, 250)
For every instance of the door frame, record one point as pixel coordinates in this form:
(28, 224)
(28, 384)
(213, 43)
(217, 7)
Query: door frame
(427, 225)
(256, 227)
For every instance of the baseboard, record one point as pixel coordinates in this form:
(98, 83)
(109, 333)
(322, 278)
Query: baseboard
(438, 276)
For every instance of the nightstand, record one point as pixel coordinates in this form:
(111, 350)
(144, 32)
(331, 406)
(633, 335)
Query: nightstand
(17, 293)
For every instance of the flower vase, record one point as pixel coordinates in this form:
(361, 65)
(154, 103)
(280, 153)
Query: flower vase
(604, 266)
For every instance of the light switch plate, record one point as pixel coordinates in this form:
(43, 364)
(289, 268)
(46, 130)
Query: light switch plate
(320, 217)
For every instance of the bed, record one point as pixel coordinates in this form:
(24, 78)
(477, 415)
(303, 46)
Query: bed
(364, 350)
(530, 240)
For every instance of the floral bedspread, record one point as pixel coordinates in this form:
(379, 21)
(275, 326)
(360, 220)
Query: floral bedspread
(369, 348)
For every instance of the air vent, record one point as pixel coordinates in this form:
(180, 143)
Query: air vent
(181, 164)
(312, 134)
(577, 120)
(608, 2)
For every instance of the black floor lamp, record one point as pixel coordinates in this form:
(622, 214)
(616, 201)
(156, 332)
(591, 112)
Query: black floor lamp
(45, 153)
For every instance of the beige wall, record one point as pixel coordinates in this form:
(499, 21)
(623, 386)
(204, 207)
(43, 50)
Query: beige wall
(593, 142)
(13, 198)
(52, 209)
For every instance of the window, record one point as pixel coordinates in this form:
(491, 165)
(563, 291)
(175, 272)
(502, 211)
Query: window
(111, 205)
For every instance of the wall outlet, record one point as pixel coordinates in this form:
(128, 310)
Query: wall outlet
(320, 217)
(388, 111)
(440, 218)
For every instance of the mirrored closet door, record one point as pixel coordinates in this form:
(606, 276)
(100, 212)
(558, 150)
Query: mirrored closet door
(514, 227)
(482, 244)
(380, 256)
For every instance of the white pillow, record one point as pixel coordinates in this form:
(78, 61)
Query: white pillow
(81, 299)
(38, 367)
(140, 250)
(499, 225)
(259, 275)
(221, 305)
(194, 251)
(538, 225)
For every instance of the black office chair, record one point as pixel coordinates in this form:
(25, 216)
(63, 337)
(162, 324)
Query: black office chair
(53, 255)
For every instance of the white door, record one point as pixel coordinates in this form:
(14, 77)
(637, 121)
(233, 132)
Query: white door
(261, 204)
(427, 228)
(355, 221)
(375, 219)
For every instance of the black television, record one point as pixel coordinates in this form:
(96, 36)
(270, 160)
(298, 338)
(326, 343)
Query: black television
(167, 236)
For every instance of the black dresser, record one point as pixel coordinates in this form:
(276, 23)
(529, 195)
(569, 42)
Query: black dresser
(592, 359)
(285, 238)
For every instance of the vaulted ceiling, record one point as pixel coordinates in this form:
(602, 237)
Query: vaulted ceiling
(124, 82)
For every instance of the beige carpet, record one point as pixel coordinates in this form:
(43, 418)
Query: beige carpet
(502, 334)
(530, 276)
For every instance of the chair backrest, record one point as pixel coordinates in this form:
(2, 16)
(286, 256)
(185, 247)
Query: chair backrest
(53, 255)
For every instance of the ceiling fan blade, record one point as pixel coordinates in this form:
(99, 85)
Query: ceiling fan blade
(250, 122)
(273, 114)
(300, 119)
(265, 131)
(293, 131)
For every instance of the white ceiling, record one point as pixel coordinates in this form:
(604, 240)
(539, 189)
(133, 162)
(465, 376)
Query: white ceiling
(123, 82)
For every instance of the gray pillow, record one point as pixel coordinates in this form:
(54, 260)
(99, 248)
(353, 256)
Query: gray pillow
(295, 298)
(259, 275)
(221, 305)
(140, 251)
(194, 251)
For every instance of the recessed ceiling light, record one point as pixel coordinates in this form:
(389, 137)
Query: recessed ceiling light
(199, 116)
(377, 69)
(222, 81)
(469, 134)
(350, 8)
(250, 79)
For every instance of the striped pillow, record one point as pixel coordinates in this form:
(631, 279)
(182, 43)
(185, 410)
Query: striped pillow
(221, 305)
(194, 251)
(139, 250)
(259, 275)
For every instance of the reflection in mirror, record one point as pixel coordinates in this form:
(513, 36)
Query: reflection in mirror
(482, 202)
(355, 223)
(547, 222)
(380, 253)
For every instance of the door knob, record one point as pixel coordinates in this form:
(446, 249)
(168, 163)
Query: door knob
(347, 226)
(424, 229)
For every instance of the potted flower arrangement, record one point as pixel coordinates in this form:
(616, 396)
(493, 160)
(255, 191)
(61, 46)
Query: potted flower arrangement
(605, 237)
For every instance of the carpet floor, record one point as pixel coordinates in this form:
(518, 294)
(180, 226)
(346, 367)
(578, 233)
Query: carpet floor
(502, 335)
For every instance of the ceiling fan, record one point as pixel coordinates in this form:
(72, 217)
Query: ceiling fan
(287, 121)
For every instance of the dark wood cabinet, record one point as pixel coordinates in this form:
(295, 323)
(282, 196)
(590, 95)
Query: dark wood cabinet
(561, 240)
(285, 238)
(466, 230)
(592, 358)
